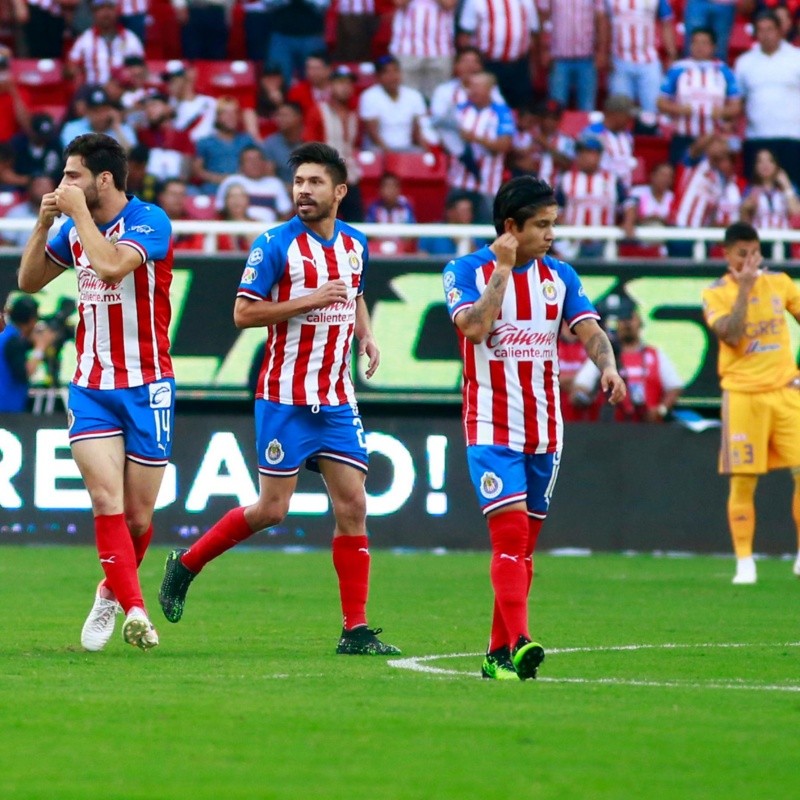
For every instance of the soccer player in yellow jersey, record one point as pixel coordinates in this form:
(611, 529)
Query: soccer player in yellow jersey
(760, 384)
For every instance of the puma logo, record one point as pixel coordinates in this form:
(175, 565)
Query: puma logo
(515, 559)
(109, 560)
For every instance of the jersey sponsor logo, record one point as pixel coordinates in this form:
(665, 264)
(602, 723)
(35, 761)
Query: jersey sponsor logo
(255, 258)
(335, 314)
(274, 452)
(160, 395)
(549, 291)
(491, 485)
(249, 275)
(453, 296)
(449, 280)
(94, 291)
(145, 229)
(355, 262)
(510, 334)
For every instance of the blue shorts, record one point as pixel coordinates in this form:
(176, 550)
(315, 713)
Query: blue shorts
(142, 415)
(287, 436)
(501, 476)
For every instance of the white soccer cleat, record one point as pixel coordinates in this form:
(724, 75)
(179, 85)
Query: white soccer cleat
(745, 572)
(99, 625)
(139, 631)
(796, 567)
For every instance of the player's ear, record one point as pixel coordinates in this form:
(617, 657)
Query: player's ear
(340, 191)
(509, 226)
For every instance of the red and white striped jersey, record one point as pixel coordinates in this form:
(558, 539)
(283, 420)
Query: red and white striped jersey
(697, 195)
(573, 26)
(502, 28)
(545, 167)
(356, 6)
(648, 207)
(491, 122)
(98, 56)
(122, 337)
(423, 28)
(511, 393)
(729, 204)
(590, 199)
(307, 357)
(128, 8)
(702, 85)
(617, 154)
(772, 210)
(633, 28)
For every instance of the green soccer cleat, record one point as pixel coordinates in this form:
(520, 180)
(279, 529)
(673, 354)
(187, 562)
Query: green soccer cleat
(364, 641)
(526, 657)
(172, 594)
(497, 665)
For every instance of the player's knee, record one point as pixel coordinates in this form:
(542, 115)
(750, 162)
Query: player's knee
(351, 511)
(268, 512)
(104, 501)
(137, 523)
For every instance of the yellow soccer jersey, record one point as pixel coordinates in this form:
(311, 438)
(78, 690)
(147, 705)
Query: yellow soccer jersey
(763, 359)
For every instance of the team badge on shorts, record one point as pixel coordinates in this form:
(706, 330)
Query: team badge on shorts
(549, 291)
(274, 452)
(160, 395)
(491, 485)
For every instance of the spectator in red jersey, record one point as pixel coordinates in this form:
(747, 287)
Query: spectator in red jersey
(103, 47)
(652, 380)
(204, 28)
(576, 50)
(171, 150)
(571, 357)
(539, 146)
(356, 24)
(14, 114)
(315, 86)
(506, 33)
(423, 42)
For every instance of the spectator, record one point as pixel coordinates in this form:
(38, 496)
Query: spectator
(654, 199)
(335, 122)
(268, 200)
(423, 42)
(505, 33)
(698, 92)
(271, 93)
(43, 23)
(614, 131)
(391, 205)
(652, 380)
(729, 205)
(256, 29)
(22, 351)
(103, 47)
(172, 199)
(39, 152)
(38, 187)
(204, 28)
(769, 80)
(218, 154)
(356, 24)
(457, 211)
(101, 117)
(487, 129)
(315, 86)
(716, 16)
(636, 68)
(296, 30)
(140, 182)
(448, 96)
(578, 49)
(237, 206)
(280, 145)
(10, 181)
(539, 146)
(390, 111)
(133, 16)
(194, 113)
(14, 114)
(589, 195)
(137, 83)
(170, 151)
(787, 11)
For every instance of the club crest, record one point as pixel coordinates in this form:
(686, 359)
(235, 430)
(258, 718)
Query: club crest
(355, 262)
(549, 291)
(491, 485)
(275, 452)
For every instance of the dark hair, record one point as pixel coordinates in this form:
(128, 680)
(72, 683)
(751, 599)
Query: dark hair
(100, 153)
(739, 232)
(319, 153)
(296, 107)
(165, 184)
(462, 51)
(23, 310)
(139, 153)
(455, 198)
(247, 148)
(384, 61)
(320, 55)
(710, 32)
(390, 176)
(769, 14)
(519, 199)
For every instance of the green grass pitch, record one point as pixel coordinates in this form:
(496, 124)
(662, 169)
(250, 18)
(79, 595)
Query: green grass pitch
(246, 699)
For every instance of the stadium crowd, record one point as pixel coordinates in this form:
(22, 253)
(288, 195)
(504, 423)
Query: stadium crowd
(658, 112)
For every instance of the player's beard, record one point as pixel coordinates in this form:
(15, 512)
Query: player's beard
(92, 197)
(316, 213)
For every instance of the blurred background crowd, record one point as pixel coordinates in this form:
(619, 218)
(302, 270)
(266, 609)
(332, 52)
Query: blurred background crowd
(639, 112)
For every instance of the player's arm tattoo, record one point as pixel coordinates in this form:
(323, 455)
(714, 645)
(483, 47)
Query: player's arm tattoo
(731, 328)
(478, 318)
(599, 349)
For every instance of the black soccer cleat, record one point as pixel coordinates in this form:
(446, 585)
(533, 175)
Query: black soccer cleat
(364, 641)
(172, 594)
(526, 657)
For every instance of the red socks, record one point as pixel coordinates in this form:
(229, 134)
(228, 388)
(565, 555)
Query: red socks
(118, 559)
(140, 545)
(534, 526)
(351, 561)
(229, 531)
(509, 535)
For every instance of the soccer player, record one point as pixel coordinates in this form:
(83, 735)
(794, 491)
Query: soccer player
(304, 283)
(760, 384)
(121, 400)
(507, 302)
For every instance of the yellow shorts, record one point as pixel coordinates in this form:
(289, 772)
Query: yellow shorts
(760, 431)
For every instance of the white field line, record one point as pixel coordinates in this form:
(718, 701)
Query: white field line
(422, 664)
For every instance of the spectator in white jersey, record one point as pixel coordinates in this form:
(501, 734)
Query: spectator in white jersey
(194, 113)
(539, 146)
(614, 131)
(654, 199)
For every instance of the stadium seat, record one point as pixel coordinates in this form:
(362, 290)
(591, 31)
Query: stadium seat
(424, 180)
(741, 39)
(640, 250)
(651, 150)
(41, 81)
(371, 165)
(573, 122)
(640, 172)
(227, 78)
(200, 206)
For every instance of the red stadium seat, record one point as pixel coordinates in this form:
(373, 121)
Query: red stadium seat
(640, 172)
(393, 247)
(640, 250)
(741, 39)
(41, 81)
(200, 206)
(651, 149)
(573, 122)
(371, 165)
(227, 78)
(424, 180)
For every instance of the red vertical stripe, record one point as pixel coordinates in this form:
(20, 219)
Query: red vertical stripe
(309, 264)
(341, 394)
(525, 372)
(551, 308)
(522, 293)
(470, 391)
(80, 333)
(324, 376)
(497, 373)
(97, 370)
(143, 310)
(279, 340)
(116, 334)
(550, 394)
(332, 263)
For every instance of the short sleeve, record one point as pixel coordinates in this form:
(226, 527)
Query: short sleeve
(792, 297)
(714, 307)
(670, 84)
(577, 306)
(58, 249)
(149, 231)
(263, 269)
(505, 122)
(731, 86)
(460, 288)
